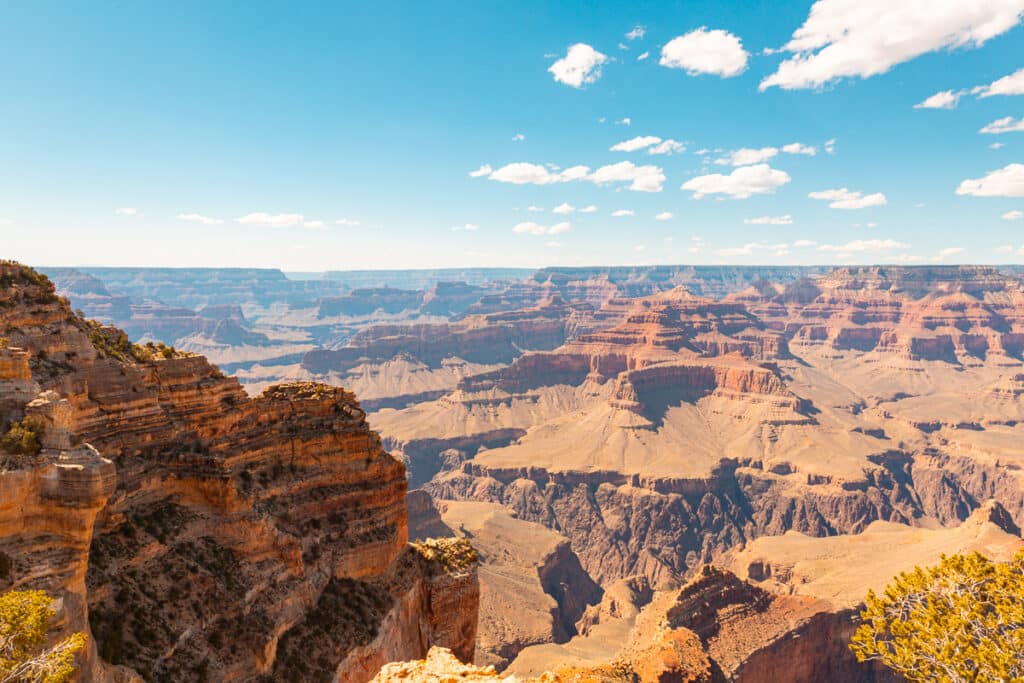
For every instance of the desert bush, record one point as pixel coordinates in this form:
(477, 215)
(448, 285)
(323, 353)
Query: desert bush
(24, 437)
(961, 620)
(24, 621)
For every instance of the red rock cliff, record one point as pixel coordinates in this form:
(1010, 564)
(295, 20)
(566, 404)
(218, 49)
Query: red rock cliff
(233, 530)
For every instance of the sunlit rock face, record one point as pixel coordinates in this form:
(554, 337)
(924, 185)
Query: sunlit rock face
(196, 533)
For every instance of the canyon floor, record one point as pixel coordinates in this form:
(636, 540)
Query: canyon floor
(666, 473)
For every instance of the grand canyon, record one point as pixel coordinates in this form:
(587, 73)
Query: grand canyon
(546, 342)
(652, 474)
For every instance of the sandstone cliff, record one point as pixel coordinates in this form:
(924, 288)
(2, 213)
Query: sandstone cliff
(202, 535)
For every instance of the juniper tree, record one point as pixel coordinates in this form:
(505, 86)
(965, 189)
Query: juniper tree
(24, 621)
(957, 622)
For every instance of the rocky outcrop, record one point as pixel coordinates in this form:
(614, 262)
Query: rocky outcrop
(365, 301)
(663, 529)
(202, 535)
(673, 656)
(936, 313)
(426, 598)
(532, 587)
(451, 298)
(803, 595)
(756, 637)
(494, 338)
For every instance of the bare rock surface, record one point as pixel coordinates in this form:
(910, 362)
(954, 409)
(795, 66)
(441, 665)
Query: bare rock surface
(197, 533)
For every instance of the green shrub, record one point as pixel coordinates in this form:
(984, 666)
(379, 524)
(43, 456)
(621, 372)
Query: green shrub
(961, 621)
(24, 437)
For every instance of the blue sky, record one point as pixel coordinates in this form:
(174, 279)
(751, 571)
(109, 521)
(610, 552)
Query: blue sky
(316, 136)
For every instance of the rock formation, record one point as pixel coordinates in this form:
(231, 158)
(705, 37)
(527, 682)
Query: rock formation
(636, 424)
(199, 534)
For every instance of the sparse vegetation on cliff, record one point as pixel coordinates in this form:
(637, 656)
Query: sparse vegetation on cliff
(960, 621)
(300, 390)
(24, 622)
(24, 437)
(15, 276)
(111, 342)
(456, 555)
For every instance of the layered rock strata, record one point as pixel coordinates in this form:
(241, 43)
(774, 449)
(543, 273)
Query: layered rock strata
(198, 534)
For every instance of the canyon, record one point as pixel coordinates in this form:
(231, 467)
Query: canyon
(650, 473)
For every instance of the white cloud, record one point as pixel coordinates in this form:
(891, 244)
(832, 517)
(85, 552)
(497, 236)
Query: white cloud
(198, 218)
(346, 221)
(581, 65)
(642, 56)
(1007, 248)
(271, 220)
(553, 244)
(564, 208)
(702, 151)
(803, 244)
(903, 258)
(770, 220)
(468, 227)
(518, 137)
(704, 51)
(843, 198)
(798, 148)
(667, 147)
(623, 212)
(589, 209)
(1007, 85)
(640, 247)
(640, 178)
(830, 146)
(997, 145)
(751, 247)
(747, 156)
(623, 46)
(313, 225)
(522, 173)
(482, 171)
(636, 33)
(127, 211)
(652, 143)
(864, 245)
(625, 121)
(535, 209)
(664, 216)
(531, 228)
(1004, 125)
(947, 99)
(634, 144)
(863, 38)
(1005, 182)
(947, 252)
(1014, 215)
(740, 184)
(1012, 84)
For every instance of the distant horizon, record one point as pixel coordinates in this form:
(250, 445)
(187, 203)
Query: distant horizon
(532, 269)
